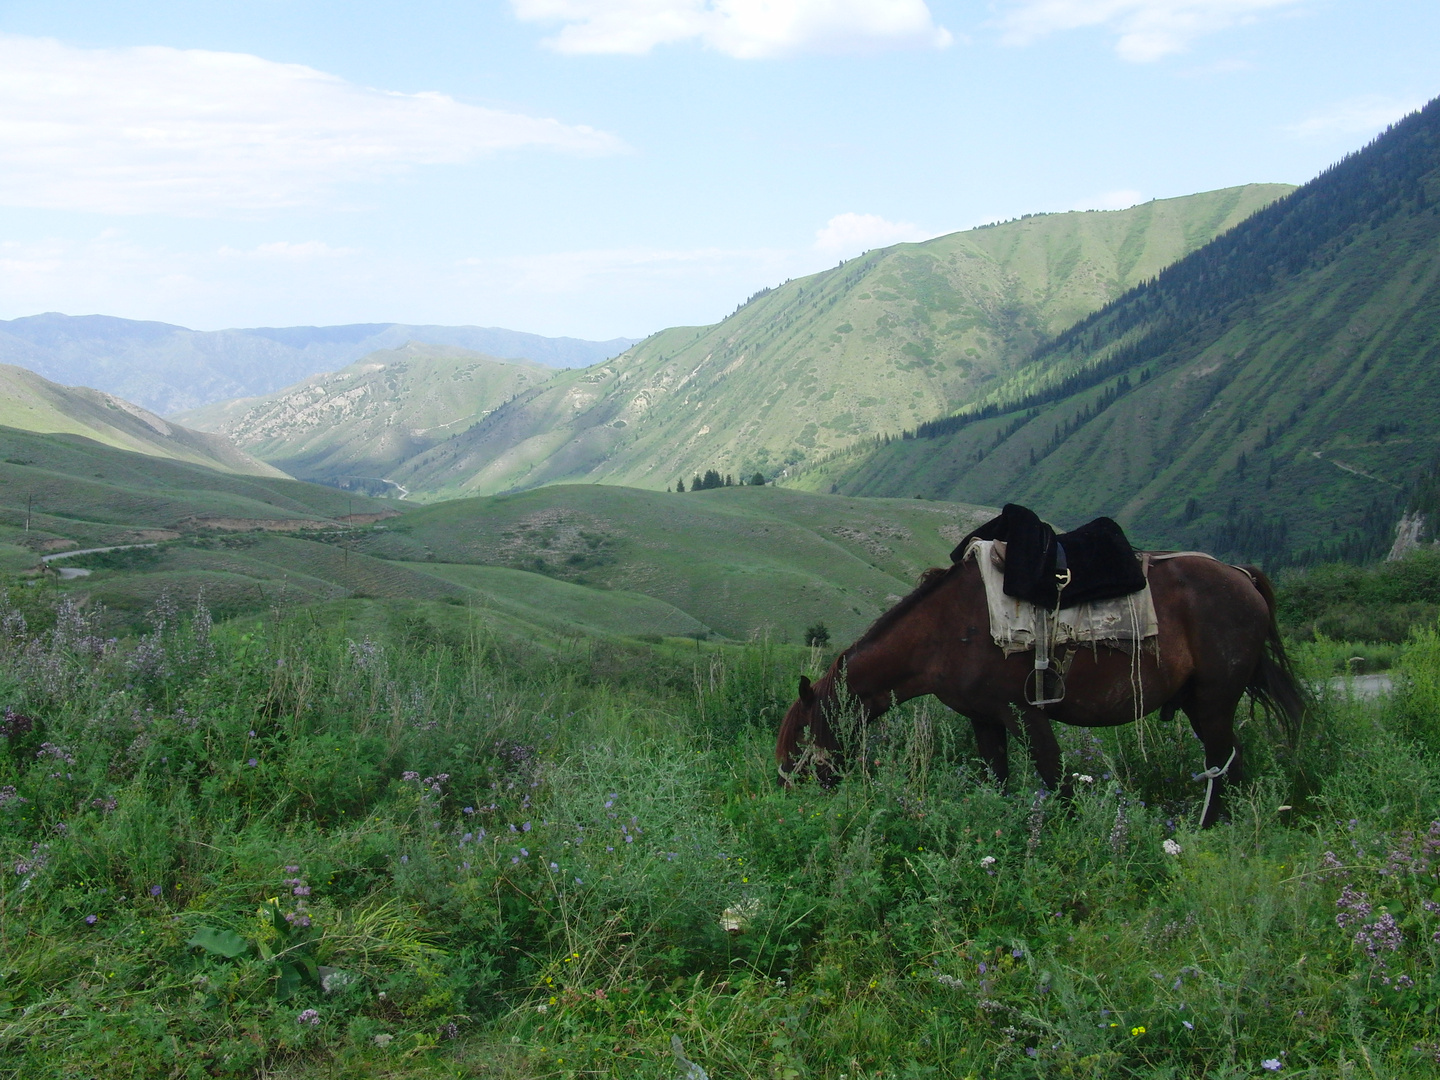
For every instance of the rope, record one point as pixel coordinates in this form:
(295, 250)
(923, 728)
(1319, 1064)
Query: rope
(1210, 775)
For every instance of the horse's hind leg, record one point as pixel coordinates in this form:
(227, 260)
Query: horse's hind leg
(990, 740)
(1214, 724)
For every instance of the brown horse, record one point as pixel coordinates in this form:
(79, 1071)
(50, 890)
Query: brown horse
(1218, 640)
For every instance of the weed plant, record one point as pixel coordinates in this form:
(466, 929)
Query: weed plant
(382, 840)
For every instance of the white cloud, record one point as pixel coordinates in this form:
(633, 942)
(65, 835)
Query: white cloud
(1146, 29)
(159, 130)
(747, 29)
(1359, 116)
(847, 235)
(1111, 200)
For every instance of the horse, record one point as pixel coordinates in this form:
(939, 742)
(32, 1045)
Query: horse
(1218, 641)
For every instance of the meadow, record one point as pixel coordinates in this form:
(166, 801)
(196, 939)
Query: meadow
(396, 838)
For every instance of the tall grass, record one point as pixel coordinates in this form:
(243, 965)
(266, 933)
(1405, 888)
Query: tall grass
(383, 840)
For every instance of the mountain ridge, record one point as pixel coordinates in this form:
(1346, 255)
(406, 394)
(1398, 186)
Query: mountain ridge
(351, 428)
(167, 368)
(880, 342)
(1269, 397)
(31, 402)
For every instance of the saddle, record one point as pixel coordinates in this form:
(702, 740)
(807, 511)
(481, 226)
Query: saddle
(1093, 562)
(1075, 569)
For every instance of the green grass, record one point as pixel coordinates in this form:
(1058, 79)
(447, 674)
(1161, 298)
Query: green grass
(550, 901)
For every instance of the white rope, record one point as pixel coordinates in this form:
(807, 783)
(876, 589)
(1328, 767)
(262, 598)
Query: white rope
(1210, 775)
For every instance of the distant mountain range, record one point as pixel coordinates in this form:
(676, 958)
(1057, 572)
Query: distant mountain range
(828, 361)
(29, 402)
(351, 428)
(169, 368)
(1273, 395)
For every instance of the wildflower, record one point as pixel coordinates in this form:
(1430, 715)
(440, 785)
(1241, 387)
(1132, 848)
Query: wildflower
(467, 810)
(525, 827)
(309, 1016)
(1136, 1032)
(1085, 778)
(302, 890)
(156, 890)
(253, 762)
(1171, 847)
(383, 1040)
(1017, 953)
(1188, 1025)
(91, 920)
(1273, 1064)
(987, 862)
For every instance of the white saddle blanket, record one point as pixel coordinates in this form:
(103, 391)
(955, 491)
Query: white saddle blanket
(1125, 619)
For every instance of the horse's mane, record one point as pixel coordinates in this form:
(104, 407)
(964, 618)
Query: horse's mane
(930, 580)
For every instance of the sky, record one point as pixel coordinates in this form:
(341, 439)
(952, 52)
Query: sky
(603, 168)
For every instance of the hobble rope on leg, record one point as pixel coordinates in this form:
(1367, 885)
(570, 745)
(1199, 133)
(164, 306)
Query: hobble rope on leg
(1210, 775)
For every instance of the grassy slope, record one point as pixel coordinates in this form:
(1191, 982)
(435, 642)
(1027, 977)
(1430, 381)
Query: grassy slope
(88, 493)
(735, 559)
(820, 363)
(358, 423)
(32, 403)
(1308, 396)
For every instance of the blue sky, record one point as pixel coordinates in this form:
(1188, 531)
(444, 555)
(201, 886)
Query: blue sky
(610, 167)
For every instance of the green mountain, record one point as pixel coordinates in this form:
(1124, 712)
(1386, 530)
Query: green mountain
(1271, 396)
(352, 427)
(828, 361)
(32, 403)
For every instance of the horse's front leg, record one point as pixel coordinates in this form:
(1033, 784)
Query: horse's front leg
(991, 740)
(1045, 752)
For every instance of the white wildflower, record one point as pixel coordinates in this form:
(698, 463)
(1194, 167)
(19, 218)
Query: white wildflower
(1171, 847)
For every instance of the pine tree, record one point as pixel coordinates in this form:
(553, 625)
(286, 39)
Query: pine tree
(680, 485)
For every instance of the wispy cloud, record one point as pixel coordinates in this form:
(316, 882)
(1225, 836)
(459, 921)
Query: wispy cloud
(1145, 30)
(847, 235)
(747, 29)
(159, 130)
(1358, 116)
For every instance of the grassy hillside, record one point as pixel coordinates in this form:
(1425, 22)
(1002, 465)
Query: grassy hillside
(32, 403)
(735, 560)
(80, 493)
(1272, 396)
(828, 361)
(352, 427)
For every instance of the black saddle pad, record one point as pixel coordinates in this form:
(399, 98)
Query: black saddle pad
(1101, 562)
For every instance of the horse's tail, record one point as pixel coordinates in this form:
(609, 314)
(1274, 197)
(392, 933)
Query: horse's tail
(1273, 683)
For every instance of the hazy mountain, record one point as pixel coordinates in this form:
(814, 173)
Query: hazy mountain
(828, 361)
(1273, 395)
(31, 403)
(170, 368)
(351, 428)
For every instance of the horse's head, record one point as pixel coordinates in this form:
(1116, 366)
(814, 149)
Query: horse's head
(806, 740)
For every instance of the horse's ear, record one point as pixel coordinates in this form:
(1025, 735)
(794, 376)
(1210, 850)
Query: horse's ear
(807, 695)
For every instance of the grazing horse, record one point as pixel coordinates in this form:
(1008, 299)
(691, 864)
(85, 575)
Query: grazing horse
(1218, 640)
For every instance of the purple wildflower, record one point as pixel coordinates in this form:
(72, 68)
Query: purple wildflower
(309, 1016)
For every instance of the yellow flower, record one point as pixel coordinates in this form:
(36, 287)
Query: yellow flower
(1138, 1030)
